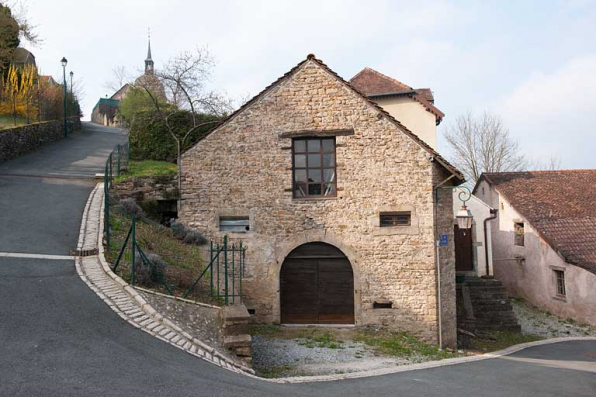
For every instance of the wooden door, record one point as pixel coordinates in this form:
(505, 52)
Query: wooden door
(464, 254)
(317, 286)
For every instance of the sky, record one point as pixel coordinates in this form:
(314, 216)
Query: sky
(531, 62)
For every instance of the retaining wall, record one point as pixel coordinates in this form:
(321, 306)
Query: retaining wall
(15, 142)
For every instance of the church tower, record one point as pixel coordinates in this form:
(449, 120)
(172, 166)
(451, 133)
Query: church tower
(149, 61)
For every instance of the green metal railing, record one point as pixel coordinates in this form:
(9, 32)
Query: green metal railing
(121, 157)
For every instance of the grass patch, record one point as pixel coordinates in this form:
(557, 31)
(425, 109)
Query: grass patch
(401, 344)
(148, 168)
(266, 330)
(499, 340)
(320, 339)
(275, 372)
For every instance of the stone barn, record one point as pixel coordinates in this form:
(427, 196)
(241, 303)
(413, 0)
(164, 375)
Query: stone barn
(335, 200)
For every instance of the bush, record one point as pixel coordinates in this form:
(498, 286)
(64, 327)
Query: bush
(150, 273)
(189, 236)
(150, 140)
(129, 206)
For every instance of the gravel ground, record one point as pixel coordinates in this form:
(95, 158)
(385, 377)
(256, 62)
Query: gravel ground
(537, 322)
(283, 356)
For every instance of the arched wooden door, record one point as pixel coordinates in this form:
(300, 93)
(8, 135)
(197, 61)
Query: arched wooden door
(317, 286)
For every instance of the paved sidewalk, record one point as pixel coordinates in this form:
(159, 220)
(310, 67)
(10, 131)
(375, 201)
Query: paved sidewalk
(125, 300)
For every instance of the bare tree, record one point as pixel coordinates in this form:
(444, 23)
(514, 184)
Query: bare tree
(483, 144)
(120, 76)
(553, 163)
(27, 30)
(184, 80)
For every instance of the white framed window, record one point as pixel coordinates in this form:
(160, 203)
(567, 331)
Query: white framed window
(234, 224)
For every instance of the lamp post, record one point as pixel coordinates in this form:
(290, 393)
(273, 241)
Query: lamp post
(64, 62)
(464, 216)
(71, 74)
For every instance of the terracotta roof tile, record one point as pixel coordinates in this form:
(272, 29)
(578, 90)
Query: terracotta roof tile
(560, 205)
(375, 84)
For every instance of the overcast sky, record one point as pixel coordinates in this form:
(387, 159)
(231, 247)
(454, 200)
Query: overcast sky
(532, 62)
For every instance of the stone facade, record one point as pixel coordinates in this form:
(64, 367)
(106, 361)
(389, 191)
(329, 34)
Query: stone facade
(18, 141)
(244, 168)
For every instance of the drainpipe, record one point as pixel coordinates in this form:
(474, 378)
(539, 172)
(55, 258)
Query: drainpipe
(437, 262)
(493, 215)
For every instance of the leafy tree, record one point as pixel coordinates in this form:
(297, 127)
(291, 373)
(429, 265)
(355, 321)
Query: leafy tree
(16, 89)
(9, 37)
(136, 101)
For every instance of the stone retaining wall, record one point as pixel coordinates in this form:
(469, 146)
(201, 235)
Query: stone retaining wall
(15, 142)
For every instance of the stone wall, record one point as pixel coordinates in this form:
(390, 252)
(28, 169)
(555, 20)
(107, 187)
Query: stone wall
(15, 142)
(143, 188)
(244, 169)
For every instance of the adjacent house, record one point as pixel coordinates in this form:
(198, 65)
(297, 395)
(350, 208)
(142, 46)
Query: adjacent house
(414, 108)
(335, 199)
(544, 240)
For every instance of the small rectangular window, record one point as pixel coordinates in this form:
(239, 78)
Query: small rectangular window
(382, 305)
(560, 280)
(389, 219)
(234, 224)
(518, 229)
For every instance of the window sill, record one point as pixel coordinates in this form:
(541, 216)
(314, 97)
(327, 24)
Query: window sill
(560, 298)
(394, 230)
(306, 199)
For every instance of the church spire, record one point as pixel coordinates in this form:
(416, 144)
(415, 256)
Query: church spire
(149, 61)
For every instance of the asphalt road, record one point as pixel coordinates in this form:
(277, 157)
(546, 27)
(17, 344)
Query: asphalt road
(57, 338)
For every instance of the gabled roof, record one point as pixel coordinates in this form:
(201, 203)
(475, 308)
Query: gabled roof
(560, 205)
(376, 85)
(125, 87)
(22, 56)
(435, 156)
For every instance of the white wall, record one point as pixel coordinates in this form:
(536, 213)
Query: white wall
(480, 211)
(414, 116)
(533, 278)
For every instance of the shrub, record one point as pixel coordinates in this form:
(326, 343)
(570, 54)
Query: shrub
(186, 234)
(130, 206)
(150, 273)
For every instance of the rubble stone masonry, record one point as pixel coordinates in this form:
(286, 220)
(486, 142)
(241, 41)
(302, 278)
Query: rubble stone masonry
(244, 168)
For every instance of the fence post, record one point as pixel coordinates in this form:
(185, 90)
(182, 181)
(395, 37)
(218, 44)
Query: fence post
(107, 205)
(226, 268)
(134, 244)
(211, 261)
(233, 274)
(118, 159)
(241, 259)
(218, 294)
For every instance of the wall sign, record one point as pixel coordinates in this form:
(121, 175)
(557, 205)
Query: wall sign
(443, 241)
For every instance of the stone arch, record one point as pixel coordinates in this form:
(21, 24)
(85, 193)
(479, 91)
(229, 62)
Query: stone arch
(286, 247)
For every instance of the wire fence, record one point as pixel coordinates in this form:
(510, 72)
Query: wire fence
(146, 253)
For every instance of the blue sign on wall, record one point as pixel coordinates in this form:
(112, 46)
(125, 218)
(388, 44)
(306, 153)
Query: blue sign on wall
(443, 241)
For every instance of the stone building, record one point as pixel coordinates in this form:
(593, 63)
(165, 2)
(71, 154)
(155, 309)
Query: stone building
(544, 238)
(105, 111)
(337, 206)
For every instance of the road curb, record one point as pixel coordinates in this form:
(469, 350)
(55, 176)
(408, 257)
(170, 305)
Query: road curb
(125, 300)
(172, 334)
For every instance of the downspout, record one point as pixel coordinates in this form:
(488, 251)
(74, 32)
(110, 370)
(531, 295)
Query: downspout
(493, 215)
(437, 262)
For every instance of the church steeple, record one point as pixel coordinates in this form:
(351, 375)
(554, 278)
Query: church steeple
(149, 61)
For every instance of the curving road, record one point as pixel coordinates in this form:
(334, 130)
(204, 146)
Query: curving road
(57, 338)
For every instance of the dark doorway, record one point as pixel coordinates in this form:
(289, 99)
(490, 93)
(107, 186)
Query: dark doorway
(317, 286)
(464, 255)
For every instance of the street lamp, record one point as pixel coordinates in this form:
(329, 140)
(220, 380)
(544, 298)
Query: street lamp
(464, 216)
(71, 74)
(64, 62)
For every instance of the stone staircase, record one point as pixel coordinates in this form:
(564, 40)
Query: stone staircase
(485, 306)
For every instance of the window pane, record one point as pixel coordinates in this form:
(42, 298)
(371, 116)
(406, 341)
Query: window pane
(329, 189)
(314, 160)
(300, 160)
(300, 190)
(329, 175)
(300, 175)
(314, 175)
(328, 160)
(328, 145)
(299, 146)
(314, 145)
(314, 190)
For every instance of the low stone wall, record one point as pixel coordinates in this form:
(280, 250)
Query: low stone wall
(15, 142)
(144, 188)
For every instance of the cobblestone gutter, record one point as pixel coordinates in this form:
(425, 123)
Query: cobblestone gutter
(125, 300)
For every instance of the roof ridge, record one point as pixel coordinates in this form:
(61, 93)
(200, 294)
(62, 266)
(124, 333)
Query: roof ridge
(403, 128)
(384, 76)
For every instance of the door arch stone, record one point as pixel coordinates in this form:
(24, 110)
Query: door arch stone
(317, 286)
